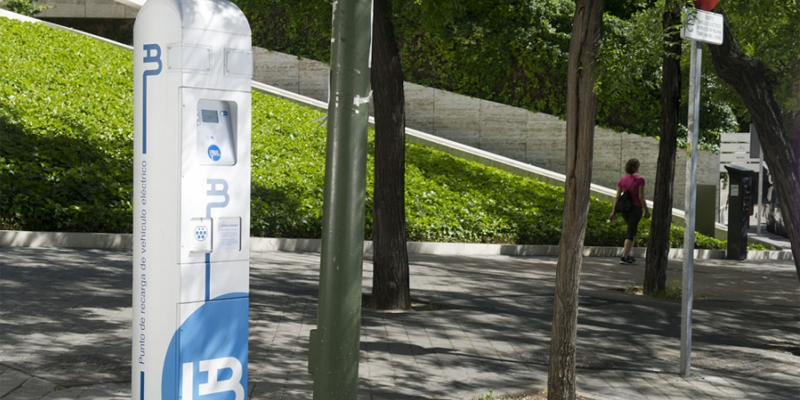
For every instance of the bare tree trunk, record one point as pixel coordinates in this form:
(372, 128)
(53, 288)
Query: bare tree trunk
(749, 78)
(581, 114)
(390, 280)
(655, 272)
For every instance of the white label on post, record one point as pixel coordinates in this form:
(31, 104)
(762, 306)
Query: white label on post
(229, 233)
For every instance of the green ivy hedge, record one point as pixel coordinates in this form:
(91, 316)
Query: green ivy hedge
(66, 156)
(65, 131)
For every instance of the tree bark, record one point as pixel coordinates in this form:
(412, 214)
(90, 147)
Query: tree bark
(390, 280)
(749, 78)
(581, 114)
(655, 272)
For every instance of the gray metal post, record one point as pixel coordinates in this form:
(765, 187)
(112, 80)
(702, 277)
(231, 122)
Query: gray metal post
(687, 289)
(334, 345)
(760, 189)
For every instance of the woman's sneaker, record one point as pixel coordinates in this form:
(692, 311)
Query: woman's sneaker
(626, 260)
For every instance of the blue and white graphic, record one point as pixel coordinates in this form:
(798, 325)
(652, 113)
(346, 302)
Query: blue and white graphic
(217, 188)
(214, 153)
(200, 233)
(207, 357)
(152, 54)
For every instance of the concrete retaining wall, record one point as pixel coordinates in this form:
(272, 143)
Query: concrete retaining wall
(534, 138)
(87, 9)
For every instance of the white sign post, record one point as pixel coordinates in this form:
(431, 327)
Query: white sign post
(192, 71)
(701, 27)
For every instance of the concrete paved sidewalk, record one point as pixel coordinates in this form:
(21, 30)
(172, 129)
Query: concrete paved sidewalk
(65, 328)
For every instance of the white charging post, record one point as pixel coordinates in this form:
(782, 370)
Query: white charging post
(192, 72)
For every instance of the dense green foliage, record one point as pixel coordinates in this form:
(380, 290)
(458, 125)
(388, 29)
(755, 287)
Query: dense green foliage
(630, 80)
(65, 131)
(66, 154)
(24, 7)
(511, 51)
(447, 199)
(767, 31)
(514, 52)
(302, 28)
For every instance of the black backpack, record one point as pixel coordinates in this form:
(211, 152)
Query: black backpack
(625, 203)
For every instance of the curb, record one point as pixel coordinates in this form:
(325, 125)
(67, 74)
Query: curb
(68, 240)
(124, 241)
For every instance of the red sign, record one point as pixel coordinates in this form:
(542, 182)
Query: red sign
(706, 5)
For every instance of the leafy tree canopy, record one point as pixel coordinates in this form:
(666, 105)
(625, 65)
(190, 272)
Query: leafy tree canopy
(767, 30)
(515, 52)
(630, 79)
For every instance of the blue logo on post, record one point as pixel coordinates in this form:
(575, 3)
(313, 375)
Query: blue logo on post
(214, 152)
(152, 54)
(207, 357)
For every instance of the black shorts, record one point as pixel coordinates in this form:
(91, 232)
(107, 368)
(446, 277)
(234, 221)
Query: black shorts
(632, 218)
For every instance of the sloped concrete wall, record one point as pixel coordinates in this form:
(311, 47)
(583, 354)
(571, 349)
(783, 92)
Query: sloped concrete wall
(87, 9)
(535, 138)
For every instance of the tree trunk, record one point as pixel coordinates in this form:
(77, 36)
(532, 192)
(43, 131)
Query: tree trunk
(655, 272)
(581, 113)
(390, 281)
(749, 78)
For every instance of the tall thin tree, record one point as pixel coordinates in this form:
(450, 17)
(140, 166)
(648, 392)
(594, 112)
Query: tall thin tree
(581, 113)
(655, 272)
(390, 280)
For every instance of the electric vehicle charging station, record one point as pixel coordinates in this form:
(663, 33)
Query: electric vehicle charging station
(192, 77)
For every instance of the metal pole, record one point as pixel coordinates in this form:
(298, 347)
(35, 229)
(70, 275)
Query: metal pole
(687, 288)
(334, 345)
(760, 188)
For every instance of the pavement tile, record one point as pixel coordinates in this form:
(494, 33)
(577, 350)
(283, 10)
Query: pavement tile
(488, 327)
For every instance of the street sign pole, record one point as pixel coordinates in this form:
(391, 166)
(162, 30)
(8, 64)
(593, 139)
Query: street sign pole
(701, 27)
(334, 345)
(687, 289)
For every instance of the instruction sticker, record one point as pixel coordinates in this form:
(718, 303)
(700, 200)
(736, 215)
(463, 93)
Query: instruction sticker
(230, 233)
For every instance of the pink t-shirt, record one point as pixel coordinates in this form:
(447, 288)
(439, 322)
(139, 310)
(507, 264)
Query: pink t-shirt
(632, 183)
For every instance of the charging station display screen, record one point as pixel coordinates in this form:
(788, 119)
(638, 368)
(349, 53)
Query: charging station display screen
(210, 116)
(216, 137)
